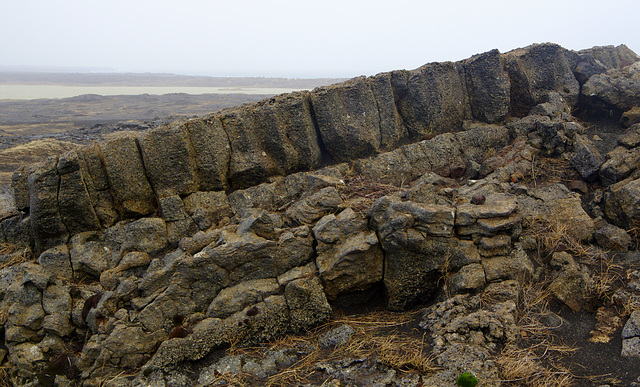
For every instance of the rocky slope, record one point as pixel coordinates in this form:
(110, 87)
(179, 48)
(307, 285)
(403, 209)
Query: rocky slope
(132, 261)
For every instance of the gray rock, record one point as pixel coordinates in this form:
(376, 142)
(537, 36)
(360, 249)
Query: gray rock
(432, 99)
(631, 347)
(314, 207)
(632, 326)
(631, 137)
(537, 70)
(621, 163)
(597, 60)
(610, 237)
(622, 203)
(207, 208)
(132, 192)
(307, 303)
(488, 85)
(587, 160)
(75, 203)
(497, 245)
(618, 88)
(348, 119)
(169, 161)
(572, 284)
(57, 324)
(235, 298)
(349, 256)
(468, 278)
(90, 256)
(57, 261)
(146, 234)
(514, 266)
(46, 222)
(212, 152)
(336, 337)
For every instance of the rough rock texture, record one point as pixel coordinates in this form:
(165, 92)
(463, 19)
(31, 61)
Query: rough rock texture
(146, 254)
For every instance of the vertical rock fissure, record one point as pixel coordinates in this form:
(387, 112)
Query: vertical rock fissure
(325, 157)
(144, 170)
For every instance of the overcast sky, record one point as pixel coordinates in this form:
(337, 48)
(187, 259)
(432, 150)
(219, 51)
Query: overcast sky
(295, 38)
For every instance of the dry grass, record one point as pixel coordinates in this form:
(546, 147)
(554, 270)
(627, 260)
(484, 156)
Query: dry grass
(5, 379)
(552, 235)
(536, 359)
(553, 170)
(16, 254)
(376, 336)
(524, 367)
(364, 191)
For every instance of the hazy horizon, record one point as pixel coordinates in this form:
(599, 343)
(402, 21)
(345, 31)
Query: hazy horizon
(292, 39)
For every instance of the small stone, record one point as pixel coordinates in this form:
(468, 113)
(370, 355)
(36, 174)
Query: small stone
(631, 347)
(336, 337)
(632, 327)
(478, 199)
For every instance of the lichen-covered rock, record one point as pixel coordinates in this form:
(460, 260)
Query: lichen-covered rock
(610, 237)
(314, 207)
(622, 203)
(416, 239)
(46, 222)
(469, 278)
(235, 298)
(572, 284)
(76, 205)
(57, 261)
(212, 151)
(307, 303)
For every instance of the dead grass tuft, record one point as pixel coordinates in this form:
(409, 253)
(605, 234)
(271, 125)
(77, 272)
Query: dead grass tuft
(554, 170)
(5, 378)
(535, 359)
(524, 367)
(14, 254)
(377, 336)
(364, 191)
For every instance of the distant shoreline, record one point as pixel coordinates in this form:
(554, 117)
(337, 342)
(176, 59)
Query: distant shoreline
(29, 92)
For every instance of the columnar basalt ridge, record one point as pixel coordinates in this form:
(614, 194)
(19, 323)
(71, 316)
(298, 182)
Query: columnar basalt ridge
(256, 220)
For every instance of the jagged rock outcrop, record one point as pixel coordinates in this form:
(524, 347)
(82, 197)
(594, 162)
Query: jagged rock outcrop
(248, 223)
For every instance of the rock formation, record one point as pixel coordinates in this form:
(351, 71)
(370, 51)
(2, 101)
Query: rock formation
(154, 249)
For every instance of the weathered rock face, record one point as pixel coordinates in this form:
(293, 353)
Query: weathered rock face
(537, 70)
(157, 249)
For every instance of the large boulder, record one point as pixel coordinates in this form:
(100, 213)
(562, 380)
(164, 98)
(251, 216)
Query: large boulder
(622, 203)
(349, 255)
(212, 151)
(535, 71)
(46, 221)
(617, 88)
(272, 137)
(132, 192)
(432, 99)
(348, 119)
(489, 86)
(75, 202)
(169, 161)
(417, 241)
